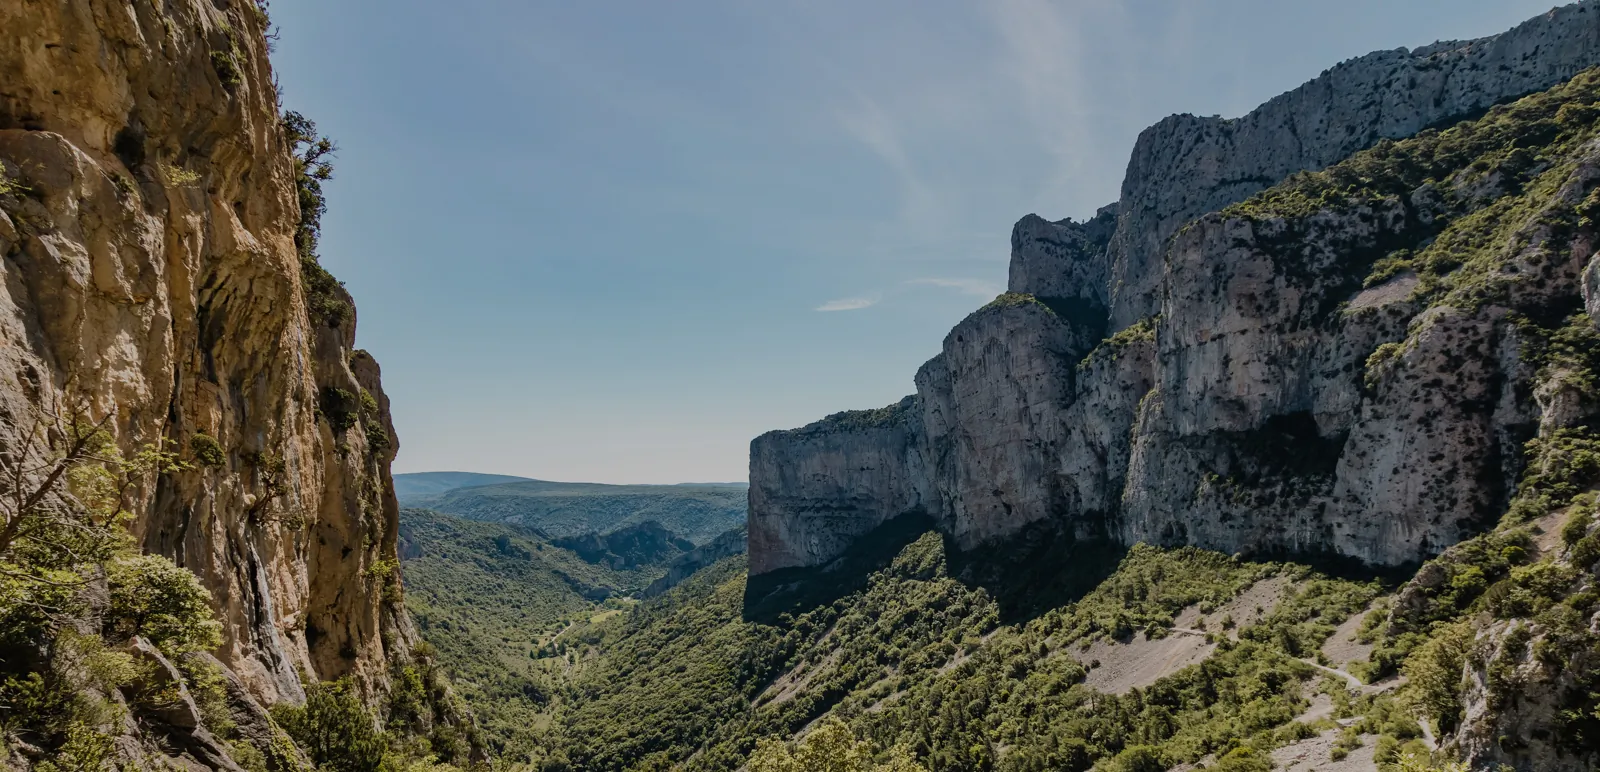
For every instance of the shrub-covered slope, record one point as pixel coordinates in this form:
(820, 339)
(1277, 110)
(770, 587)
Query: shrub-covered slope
(1178, 656)
(488, 597)
(918, 657)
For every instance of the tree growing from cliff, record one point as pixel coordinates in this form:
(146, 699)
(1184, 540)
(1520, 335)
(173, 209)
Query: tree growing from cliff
(313, 160)
(67, 561)
(64, 491)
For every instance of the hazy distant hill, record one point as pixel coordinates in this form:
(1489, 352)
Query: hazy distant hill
(409, 486)
(697, 512)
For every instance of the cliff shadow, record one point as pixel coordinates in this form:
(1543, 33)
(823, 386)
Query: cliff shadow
(798, 590)
(1040, 568)
(1334, 565)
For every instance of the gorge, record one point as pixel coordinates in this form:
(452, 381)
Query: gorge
(1287, 459)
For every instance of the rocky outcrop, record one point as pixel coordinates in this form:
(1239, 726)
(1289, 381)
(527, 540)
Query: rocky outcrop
(1185, 165)
(1286, 376)
(1065, 259)
(147, 218)
(979, 447)
(828, 483)
(994, 405)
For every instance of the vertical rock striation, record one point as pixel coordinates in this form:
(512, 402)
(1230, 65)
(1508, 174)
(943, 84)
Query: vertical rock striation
(147, 221)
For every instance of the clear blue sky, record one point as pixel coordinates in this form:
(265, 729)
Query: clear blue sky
(614, 241)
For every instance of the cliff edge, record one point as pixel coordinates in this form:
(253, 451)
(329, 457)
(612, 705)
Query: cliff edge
(1194, 366)
(150, 203)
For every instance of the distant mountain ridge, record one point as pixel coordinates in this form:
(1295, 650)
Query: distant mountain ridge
(408, 486)
(698, 512)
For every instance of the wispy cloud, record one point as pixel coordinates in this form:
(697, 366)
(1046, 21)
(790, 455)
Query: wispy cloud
(978, 287)
(868, 122)
(851, 304)
(1044, 47)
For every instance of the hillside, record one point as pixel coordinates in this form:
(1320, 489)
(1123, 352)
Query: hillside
(411, 485)
(1174, 657)
(488, 596)
(919, 657)
(698, 513)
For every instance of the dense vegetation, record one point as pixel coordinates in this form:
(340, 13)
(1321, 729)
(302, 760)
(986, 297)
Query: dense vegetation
(489, 597)
(698, 513)
(919, 660)
(96, 637)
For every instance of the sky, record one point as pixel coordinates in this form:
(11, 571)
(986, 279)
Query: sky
(615, 241)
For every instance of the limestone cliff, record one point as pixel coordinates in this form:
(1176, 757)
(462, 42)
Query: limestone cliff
(148, 211)
(1278, 378)
(1186, 165)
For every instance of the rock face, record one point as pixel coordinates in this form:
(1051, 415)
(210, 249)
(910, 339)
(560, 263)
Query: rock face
(1264, 388)
(1186, 166)
(828, 483)
(1062, 259)
(147, 221)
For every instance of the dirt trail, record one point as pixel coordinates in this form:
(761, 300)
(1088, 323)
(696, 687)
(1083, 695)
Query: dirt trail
(1355, 683)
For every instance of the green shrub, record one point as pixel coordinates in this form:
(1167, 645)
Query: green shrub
(179, 177)
(378, 439)
(1244, 760)
(227, 68)
(162, 602)
(85, 749)
(334, 728)
(1142, 331)
(340, 407)
(1577, 525)
(1378, 361)
(9, 186)
(1434, 676)
(1139, 758)
(207, 450)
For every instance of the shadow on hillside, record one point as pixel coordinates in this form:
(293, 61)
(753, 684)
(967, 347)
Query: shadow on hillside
(798, 590)
(1332, 564)
(1027, 574)
(1040, 568)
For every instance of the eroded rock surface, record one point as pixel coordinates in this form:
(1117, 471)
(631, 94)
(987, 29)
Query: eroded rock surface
(1185, 165)
(1265, 388)
(151, 275)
